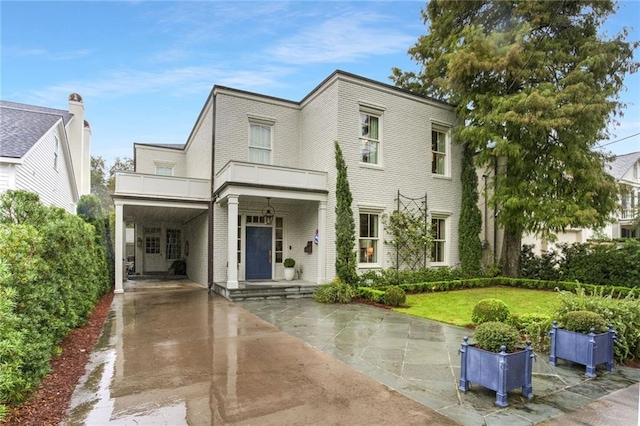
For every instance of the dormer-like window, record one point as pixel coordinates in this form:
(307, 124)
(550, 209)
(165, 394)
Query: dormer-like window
(164, 169)
(260, 135)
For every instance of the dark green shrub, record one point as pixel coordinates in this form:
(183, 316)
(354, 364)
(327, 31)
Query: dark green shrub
(179, 267)
(584, 321)
(289, 263)
(394, 296)
(491, 335)
(490, 310)
(370, 294)
(535, 327)
(334, 292)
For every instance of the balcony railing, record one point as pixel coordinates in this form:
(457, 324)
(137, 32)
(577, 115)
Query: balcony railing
(157, 186)
(628, 214)
(262, 174)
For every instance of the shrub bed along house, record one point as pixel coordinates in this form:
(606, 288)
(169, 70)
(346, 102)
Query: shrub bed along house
(52, 271)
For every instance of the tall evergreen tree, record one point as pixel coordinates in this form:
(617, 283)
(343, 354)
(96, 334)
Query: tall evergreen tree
(345, 224)
(536, 84)
(470, 224)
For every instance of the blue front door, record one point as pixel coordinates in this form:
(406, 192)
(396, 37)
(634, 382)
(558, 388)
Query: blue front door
(258, 253)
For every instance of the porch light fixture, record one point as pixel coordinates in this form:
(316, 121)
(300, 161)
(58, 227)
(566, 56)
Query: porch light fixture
(268, 212)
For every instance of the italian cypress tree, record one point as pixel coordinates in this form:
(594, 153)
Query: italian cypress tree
(470, 224)
(345, 224)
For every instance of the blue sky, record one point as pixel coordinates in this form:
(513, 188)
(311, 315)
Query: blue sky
(145, 68)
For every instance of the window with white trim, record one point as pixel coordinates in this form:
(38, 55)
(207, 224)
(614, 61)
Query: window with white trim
(439, 243)
(369, 138)
(260, 136)
(56, 149)
(369, 238)
(164, 170)
(439, 144)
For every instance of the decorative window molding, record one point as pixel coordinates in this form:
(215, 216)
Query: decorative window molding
(260, 142)
(370, 137)
(369, 243)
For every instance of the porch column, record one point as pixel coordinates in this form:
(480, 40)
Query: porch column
(232, 241)
(322, 242)
(119, 244)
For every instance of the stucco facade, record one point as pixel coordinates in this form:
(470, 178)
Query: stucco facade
(262, 153)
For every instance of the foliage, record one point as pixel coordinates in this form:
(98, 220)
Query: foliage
(594, 263)
(124, 164)
(490, 310)
(492, 335)
(90, 209)
(470, 223)
(584, 321)
(370, 294)
(179, 267)
(394, 296)
(345, 224)
(52, 271)
(536, 85)
(392, 276)
(411, 237)
(334, 292)
(535, 328)
(289, 262)
(101, 184)
(622, 313)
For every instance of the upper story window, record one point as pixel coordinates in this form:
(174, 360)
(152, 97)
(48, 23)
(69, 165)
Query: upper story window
(636, 171)
(368, 241)
(260, 143)
(56, 149)
(369, 138)
(164, 170)
(439, 152)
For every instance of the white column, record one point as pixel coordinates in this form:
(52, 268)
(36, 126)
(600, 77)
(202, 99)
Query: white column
(232, 241)
(322, 242)
(119, 245)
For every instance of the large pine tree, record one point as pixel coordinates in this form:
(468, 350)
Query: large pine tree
(536, 84)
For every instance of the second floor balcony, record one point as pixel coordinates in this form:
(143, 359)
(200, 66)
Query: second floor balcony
(236, 172)
(165, 187)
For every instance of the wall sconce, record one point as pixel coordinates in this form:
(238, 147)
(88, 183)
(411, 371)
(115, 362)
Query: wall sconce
(139, 242)
(268, 212)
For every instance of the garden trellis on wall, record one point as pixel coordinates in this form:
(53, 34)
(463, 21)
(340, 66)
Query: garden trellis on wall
(412, 246)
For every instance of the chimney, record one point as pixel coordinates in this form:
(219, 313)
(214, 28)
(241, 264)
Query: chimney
(76, 133)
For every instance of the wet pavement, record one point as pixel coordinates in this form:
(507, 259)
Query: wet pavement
(172, 353)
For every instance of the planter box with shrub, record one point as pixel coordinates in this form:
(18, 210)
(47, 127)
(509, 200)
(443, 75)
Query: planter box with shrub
(587, 349)
(498, 371)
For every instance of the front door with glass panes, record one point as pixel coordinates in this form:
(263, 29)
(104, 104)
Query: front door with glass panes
(153, 251)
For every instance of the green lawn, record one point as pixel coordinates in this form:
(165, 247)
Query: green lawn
(455, 307)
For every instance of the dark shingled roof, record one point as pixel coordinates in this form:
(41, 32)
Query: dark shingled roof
(21, 126)
(621, 164)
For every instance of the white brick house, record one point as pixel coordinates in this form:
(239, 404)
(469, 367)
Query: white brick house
(205, 201)
(46, 151)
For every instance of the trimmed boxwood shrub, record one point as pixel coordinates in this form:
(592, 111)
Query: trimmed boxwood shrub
(491, 335)
(334, 292)
(370, 294)
(490, 310)
(394, 296)
(584, 321)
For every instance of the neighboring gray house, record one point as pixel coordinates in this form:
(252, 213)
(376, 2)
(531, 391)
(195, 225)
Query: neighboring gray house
(255, 183)
(46, 151)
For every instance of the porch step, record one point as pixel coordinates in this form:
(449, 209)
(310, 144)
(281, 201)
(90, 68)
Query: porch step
(265, 293)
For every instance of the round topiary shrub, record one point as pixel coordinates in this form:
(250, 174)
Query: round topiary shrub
(491, 335)
(334, 292)
(584, 321)
(490, 310)
(394, 296)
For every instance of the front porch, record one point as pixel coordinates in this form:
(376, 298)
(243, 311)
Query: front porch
(264, 290)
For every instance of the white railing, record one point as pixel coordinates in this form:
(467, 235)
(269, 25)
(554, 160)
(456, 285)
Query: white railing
(628, 213)
(262, 174)
(162, 186)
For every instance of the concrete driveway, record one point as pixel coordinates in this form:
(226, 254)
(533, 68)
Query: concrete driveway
(176, 355)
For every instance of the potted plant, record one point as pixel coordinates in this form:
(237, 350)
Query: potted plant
(289, 271)
(585, 339)
(495, 363)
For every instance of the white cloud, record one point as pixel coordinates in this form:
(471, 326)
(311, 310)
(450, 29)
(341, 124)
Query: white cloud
(349, 37)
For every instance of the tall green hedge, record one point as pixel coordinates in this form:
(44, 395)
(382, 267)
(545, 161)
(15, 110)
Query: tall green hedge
(470, 223)
(52, 271)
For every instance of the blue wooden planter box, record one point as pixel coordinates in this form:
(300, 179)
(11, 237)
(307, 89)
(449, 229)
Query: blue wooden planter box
(586, 349)
(500, 372)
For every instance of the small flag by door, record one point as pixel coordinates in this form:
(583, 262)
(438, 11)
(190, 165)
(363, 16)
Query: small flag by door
(315, 237)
